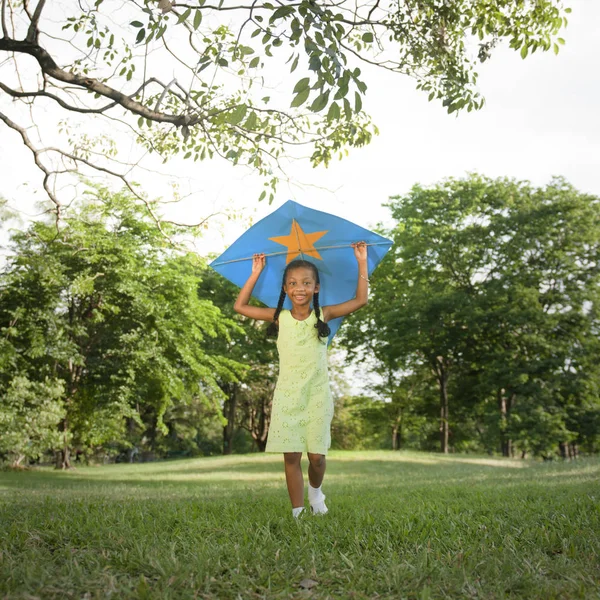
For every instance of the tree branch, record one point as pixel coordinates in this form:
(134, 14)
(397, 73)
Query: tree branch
(3, 15)
(36, 157)
(50, 68)
(78, 159)
(60, 101)
(32, 32)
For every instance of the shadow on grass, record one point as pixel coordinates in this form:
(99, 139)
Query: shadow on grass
(244, 474)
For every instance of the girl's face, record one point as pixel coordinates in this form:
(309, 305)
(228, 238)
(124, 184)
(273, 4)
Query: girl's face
(300, 285)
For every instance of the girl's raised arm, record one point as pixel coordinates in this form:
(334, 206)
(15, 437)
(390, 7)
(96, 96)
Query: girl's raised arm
(241, 304)
(362, 288)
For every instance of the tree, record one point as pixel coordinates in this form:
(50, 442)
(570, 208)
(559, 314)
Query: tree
(29, 416)
(247, 400)
(109, 310)
(494, 285)
(106, 62)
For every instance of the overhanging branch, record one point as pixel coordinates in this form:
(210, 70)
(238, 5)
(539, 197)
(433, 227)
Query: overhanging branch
(36, 157)
(51, 69)
(32, 32)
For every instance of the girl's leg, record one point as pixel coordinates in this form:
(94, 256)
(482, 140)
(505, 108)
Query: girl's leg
(316, 469)
(316, 472)
(293, 477)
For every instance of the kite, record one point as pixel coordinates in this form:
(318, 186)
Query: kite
(294, 231)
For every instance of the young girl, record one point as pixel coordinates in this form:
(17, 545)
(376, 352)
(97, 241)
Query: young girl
(302, 403)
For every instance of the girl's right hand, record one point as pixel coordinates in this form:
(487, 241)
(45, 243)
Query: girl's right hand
(258, 263)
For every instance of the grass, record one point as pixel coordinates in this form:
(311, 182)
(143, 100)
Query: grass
(401, 525)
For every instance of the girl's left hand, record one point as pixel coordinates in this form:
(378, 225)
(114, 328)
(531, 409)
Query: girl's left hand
(258, 263)
(360, 250)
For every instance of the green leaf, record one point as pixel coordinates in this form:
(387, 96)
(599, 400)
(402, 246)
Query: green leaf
(237, 114)
(341, 92)
(302, 85)
(314, 64)
(301, 98)
(524, 51)
(140, 36)
(136, 24)
(357, 102)
(251, 121)
(254, 62)
(197, 19)
(334, 112)
(367, 37)
(281, 12)
(294, 64)
(320, 102)
(185, 15)
(347, 109)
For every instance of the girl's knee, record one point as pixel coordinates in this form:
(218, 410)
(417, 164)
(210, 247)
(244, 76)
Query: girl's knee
(316, 460)
(292, 458)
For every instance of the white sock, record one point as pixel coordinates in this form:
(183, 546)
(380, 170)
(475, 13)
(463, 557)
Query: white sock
(316, 498)
(297, 511)
(315, 495)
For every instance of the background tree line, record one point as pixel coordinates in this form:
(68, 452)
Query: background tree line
(481, 334)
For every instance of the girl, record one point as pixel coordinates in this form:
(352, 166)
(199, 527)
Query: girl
(302, 403)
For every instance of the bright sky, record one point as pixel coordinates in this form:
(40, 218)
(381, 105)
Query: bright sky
(541, 118)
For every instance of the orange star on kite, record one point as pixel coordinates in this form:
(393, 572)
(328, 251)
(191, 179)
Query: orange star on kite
(298, 242)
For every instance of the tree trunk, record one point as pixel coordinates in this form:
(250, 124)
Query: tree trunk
(563, 450)
(259, 420)
(261, 444)
(395, 436)
(442, 376)
(505, 405)
(573, 450)
(18, 460)
(230, 409)
(397, 432)
(63, 456)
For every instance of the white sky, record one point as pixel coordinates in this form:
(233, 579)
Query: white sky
(541, 118)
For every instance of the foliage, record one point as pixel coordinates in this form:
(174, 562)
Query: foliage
(30, 412)
(492, 287)
(247, 402)
(109, 309)
(108, 61)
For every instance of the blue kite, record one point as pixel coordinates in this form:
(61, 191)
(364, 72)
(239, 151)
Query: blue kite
(296, 231)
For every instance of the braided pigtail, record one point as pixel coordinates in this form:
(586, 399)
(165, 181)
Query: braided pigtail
(320, 326)
(273, 328)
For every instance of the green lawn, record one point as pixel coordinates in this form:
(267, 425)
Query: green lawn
(401, 525)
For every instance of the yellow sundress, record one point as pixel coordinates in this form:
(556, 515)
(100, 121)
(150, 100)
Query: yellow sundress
(302, 403)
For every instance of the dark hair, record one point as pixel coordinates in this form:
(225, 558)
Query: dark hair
(321, 327)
